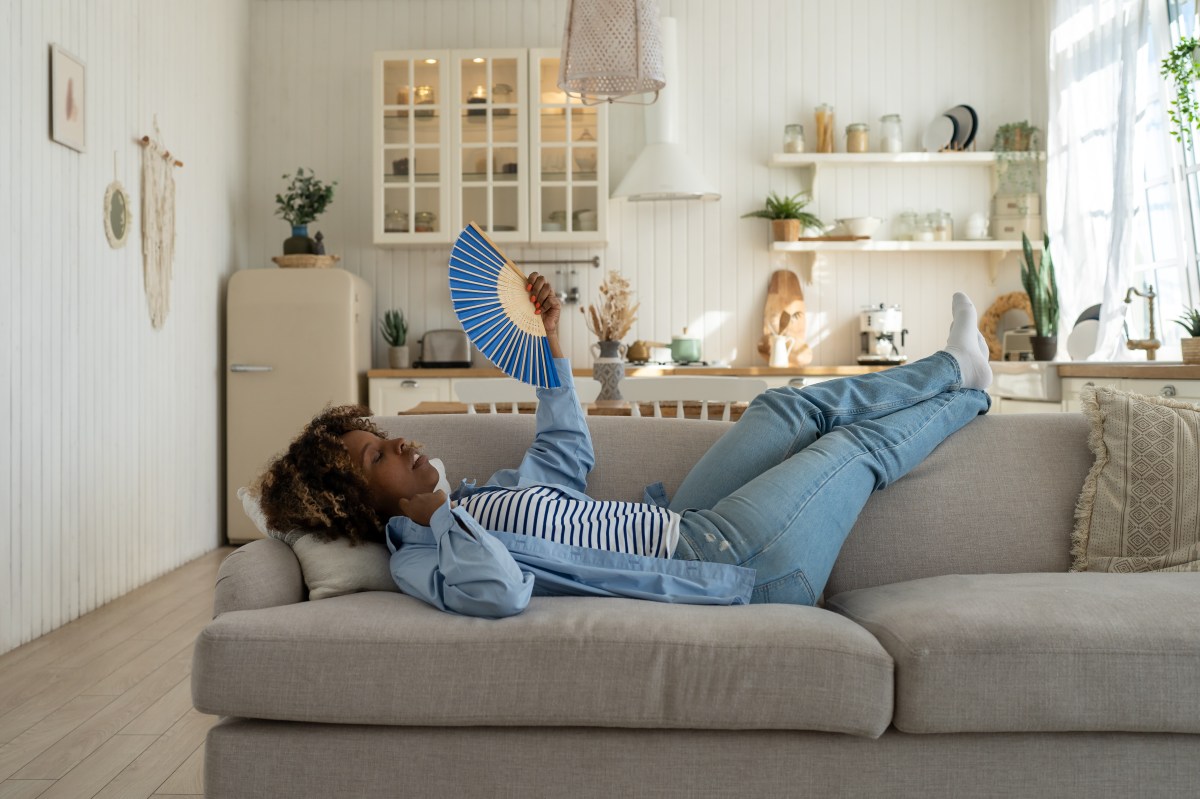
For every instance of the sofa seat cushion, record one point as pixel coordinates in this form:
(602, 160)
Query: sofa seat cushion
(380, 658)
(1039, 652)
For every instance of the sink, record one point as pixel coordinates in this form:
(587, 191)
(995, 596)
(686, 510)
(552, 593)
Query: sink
(1026, 380)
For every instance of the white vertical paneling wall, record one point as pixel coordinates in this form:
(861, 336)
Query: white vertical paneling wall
(110, 470)
(746, 69)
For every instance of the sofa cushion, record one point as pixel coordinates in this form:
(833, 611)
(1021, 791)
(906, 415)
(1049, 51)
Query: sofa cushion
(1022, 473)
(1138, 510)
(1039, 652)
(381, 658)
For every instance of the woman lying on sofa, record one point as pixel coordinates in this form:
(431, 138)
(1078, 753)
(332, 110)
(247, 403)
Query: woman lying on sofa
(760, 518)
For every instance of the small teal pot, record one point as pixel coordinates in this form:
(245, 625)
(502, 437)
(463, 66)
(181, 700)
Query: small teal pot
(299, 243)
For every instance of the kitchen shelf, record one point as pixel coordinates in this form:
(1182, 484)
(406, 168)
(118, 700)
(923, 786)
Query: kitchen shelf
(995, 248)
(895, 159)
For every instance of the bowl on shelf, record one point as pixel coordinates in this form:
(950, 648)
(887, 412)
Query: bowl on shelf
(860, 225)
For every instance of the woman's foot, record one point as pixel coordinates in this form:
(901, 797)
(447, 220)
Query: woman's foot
(968, 345)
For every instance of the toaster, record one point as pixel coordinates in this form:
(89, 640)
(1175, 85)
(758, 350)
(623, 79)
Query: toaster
(444, 349)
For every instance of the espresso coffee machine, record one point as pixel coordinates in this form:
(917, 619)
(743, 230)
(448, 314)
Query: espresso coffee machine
(878, 328)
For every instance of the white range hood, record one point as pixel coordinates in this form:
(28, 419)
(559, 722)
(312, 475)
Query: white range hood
(663, 170)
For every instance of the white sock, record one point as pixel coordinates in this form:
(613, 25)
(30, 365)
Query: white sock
(967, 344)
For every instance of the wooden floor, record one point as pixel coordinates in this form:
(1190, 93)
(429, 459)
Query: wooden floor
(103, 706)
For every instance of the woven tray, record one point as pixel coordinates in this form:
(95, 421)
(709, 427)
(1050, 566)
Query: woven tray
(306, 261)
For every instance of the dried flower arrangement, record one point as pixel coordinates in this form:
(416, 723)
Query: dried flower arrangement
(612, 318)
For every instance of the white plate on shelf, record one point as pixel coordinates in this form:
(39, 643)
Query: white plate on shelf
(940, 133)
(966, 122)
(1082, 341)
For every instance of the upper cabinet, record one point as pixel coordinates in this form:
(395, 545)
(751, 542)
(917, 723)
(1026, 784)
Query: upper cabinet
(569, 149)
(485, 136)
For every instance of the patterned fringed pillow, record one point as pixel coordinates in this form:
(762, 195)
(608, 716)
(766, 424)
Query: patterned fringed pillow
(1140, 505)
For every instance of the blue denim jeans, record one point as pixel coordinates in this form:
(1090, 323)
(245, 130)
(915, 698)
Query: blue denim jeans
(781, 490)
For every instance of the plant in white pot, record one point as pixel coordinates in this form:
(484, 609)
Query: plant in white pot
(1042, 288)
(395, 333)
(1190, 321)
(788, 217)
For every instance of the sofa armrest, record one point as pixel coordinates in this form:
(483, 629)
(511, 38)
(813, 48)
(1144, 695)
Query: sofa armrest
(261, 574)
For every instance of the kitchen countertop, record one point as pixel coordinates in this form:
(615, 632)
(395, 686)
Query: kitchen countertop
(651, 371)
(1150, 370)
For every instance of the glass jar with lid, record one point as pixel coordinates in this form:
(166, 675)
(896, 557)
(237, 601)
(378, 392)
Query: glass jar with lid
(904, 226)
(502, 93)
(793, 138)
(424, 221)
(858, 135)
(891, 135)
(923, 230)
(943, 225)
(396, 221)
(824, 115)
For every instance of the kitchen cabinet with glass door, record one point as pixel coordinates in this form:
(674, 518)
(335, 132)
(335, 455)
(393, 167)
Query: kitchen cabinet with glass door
(485, 136)
(490, 142)
(412, 187)
(569, 154)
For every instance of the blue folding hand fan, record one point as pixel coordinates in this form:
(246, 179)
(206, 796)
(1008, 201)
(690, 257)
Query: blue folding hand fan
(490, 299)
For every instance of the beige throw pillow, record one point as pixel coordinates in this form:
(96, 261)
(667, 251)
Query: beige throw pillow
(330, 568)
(1140, 505)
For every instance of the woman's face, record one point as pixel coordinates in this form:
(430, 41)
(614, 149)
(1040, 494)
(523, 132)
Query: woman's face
(394, 469)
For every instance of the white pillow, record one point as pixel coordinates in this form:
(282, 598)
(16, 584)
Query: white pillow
(333, 568)
(330, 568)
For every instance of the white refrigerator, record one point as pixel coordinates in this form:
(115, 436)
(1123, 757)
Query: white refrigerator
(296, 341)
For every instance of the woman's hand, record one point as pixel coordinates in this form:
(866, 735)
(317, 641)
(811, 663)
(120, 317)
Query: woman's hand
(422, 507)
(547, 304)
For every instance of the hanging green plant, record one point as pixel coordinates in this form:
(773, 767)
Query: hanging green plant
(1180, 66)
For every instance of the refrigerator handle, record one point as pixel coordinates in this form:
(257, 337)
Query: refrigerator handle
(244, 367)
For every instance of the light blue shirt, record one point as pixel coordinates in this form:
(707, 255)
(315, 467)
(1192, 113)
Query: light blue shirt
(457, 566)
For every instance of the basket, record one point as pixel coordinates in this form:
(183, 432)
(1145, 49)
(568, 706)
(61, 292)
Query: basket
(306, 261)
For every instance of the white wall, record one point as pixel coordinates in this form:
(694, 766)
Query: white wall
(747, 69)
(110, 466)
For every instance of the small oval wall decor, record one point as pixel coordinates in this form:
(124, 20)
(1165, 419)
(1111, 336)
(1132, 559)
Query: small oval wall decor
(116, 215)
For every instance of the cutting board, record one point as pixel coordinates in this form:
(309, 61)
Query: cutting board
(784, 294)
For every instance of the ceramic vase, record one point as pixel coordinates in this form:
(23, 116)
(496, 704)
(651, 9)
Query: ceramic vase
(609, 369)
(398, 357)
(785, 229)
(1191, 350)
(781, 348)
(299, 243)
(1044, 347)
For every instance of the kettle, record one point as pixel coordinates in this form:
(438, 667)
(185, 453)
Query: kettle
(685, 349)
(639, 351)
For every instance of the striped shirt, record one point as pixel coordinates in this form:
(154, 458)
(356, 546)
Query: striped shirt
(545, 512)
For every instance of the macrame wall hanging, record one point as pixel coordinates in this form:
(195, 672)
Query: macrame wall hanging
(158, 225)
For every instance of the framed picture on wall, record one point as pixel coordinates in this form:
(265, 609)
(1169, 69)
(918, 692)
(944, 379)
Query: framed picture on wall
(67, 100)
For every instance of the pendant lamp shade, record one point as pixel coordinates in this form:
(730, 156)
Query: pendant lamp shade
(611, 49)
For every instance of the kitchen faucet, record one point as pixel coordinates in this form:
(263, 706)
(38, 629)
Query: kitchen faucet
(1148, 344)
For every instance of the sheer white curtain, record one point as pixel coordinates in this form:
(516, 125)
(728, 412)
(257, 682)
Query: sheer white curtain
(1105, 135)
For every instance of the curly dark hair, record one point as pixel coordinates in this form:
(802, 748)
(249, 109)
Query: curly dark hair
(315, 485)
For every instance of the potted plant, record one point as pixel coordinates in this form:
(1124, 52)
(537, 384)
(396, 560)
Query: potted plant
(1016, 137)
(1042, 288)
(305, 199)
(787, 215)
(395, 333)
(1181, 68)
(1190, 321)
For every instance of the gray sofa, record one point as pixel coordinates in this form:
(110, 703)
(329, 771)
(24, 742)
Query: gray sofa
(954, 655)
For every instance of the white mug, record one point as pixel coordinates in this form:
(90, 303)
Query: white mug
(977, 226)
